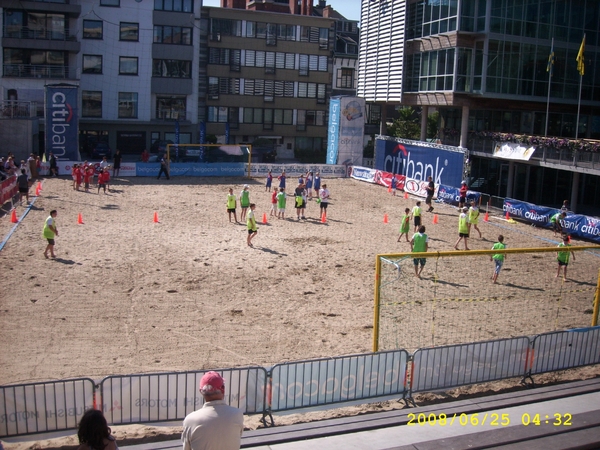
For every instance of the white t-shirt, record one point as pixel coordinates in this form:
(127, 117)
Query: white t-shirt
(324, 195)
(215, 426)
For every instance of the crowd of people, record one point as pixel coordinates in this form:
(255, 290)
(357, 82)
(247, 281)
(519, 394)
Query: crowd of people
(309, 186)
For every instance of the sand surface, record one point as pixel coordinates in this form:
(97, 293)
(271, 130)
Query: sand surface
(127, 295)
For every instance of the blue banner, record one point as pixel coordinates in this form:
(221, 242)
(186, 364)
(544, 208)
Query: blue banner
(451, 195)
(194, 169)
(333, 131)
(396, 156)
(575, 224)
(62, 134)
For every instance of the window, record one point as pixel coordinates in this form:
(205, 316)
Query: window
(34, 25)
(91, 103)
(128, 105)
(129, 31)
(174, 5)
(171, 68)
(224, 27)
(110, 2)
(92, 29)
(92, 64)
(29, 63)
(345, 78)
(128, 65)
(170, 108)
(164, 34)
(217, 114)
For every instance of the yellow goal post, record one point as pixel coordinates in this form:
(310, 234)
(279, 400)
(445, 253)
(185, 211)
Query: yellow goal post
(402, 296)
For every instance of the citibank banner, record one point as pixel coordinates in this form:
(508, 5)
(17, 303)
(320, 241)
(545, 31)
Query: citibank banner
(575, 224)
(419, 160)
(451, 195)
(62, 122)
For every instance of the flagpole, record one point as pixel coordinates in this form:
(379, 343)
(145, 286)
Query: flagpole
(578, 107)
(581, 70)
(550, 64)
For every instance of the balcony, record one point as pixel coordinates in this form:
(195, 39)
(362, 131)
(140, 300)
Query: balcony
(13, 109)
(170, 115)
(55, 6)
(37, 71)
(25, 37)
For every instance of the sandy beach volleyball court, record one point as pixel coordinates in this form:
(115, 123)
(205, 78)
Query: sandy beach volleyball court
(127, 295)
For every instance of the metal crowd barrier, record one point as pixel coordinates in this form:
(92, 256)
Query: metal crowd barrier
(562, 350)
(457, 365)
(318, 382)
(41, 407)
(172, 396)
(59, 405)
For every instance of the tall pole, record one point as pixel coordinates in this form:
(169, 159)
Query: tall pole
(581, 70)
(550, 69)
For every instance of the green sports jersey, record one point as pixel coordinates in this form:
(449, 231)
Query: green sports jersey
(245, 199)
(555, 218)
(231, 201)
(463, 228)
(405, 227)
(499, 246)
(281, 200)
(419, 242)
(563, 256)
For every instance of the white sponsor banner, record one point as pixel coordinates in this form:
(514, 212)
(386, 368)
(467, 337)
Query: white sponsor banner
(295, 170)
(351, 131)
(418, 188)
(363, 173)
(511, 150)
(65, 167)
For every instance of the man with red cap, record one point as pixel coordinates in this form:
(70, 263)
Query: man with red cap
(215, 426)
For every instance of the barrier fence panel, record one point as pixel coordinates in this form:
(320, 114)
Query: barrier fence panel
(41, 407)
(565, 349)
(171, 396)
(457, 365)
(318, 382)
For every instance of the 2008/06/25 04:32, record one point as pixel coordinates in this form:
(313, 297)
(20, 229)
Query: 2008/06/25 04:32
(491, 419)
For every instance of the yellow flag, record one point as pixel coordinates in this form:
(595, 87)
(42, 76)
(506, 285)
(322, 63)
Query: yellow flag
(44, 157)
(580, 58)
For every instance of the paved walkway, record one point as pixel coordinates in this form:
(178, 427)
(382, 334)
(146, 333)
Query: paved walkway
(565, 416)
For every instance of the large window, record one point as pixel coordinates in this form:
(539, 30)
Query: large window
(128, 65)
(165, 34)
(128, 105)
(345, 78)
(91, 103)
(30, 25)
(170, 108)
(129, 31)
(174, 5)
(224, 27)
(92, 29)
(224, 114)
(92, 64)
(171, 68)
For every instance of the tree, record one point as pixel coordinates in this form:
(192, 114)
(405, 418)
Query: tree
(407, 126)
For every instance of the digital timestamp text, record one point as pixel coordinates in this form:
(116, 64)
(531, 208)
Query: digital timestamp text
(490, 419)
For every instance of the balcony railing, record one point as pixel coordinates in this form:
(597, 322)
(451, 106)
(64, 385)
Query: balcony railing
(170, 114)
(36, 71)
(13, 109)
(47, 35)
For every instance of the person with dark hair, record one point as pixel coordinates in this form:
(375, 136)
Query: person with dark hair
(23, 184)
(216, 425)
(94, 432)
(50, 231)
(53, 166)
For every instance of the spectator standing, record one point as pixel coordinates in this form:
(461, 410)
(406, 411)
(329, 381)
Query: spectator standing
(117, 163)
(164, 168)
(393, 186)
(32, 166)
(50, 231)
(23, 185)
(53, 165)
(94, 432)
(216, 425)
(324, 197)
(145, 155)
(565, 206)
(462, 195)
(430, 191)
(309, 184)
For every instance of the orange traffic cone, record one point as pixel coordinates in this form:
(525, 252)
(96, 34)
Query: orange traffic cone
(486, 218)
(507, 216)
(37, 191)
(155, 217)
(390, 188)
(39, 186)
(264, 219)
(435, 218)
(405, 195)
(13, 216)
(323, 218)
(79, 219)
(385, 218)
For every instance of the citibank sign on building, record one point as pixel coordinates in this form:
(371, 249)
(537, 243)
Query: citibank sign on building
(62, 122)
